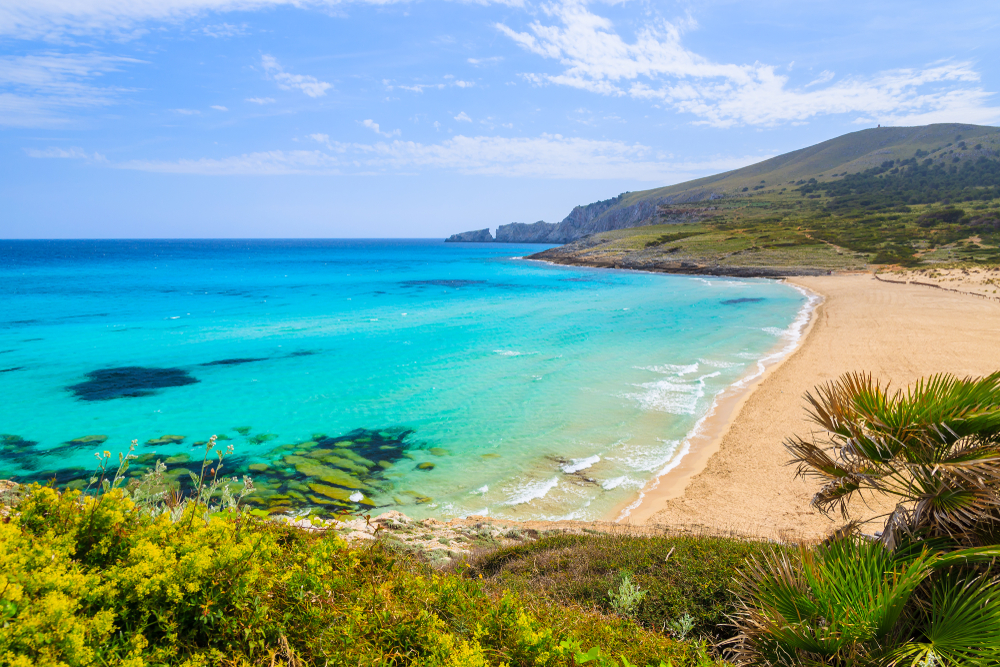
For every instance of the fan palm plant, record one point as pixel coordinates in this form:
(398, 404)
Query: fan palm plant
(935, 448)
(854, 602)
(926, 594)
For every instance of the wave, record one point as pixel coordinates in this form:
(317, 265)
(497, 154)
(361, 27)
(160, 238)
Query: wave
(720, 364)
(623, 481)
(532, 491)
(576, 465)
(676, 369)
(792, 334)
(672, 397)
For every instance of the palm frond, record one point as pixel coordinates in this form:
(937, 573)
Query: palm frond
(962, 625)
(935, 445)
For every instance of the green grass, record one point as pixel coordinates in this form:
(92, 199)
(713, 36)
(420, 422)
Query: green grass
(788, 231)
(681, 575)
(850, 153)
(906, 196)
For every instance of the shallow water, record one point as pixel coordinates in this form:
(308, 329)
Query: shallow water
(534, 391)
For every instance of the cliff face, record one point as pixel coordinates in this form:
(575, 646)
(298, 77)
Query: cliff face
(478, 236)
(520, 232)
(602, 216)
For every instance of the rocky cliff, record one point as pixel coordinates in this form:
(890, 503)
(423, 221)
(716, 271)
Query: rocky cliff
(520, 232)
(478, 236)
(602, 216)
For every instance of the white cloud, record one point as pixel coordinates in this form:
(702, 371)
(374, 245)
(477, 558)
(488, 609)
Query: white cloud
(187, 112)
(309, 85)
(547, 156)
(220, 30)
(40, 90)
(266, 163)
(463, 117)
(824, 76)
(74, 153)
(219, 107)
(657, 67)
(492, 60)
(55, 19)
(261, 100)
(372, 125)
(421, 87)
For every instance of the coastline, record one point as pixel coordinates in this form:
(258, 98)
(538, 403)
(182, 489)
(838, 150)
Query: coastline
(740, 481)
(705, 438)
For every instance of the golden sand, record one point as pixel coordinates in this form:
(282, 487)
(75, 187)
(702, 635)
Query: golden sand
(736, 478)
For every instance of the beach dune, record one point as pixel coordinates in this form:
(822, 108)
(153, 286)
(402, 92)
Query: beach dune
(736, 478)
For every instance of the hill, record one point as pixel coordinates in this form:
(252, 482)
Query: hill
(943, 145)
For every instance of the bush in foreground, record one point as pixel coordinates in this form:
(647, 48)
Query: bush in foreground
(682, 576)
(927, 591)
(98, 580)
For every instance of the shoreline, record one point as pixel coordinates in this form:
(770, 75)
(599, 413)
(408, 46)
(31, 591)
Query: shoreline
(897, 332)
(677, 268)
(705, 438)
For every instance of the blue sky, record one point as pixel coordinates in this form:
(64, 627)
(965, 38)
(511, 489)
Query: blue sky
(268, 118)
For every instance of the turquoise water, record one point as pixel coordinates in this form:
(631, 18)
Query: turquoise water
(535, 391)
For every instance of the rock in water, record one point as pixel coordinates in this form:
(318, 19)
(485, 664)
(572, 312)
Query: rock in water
(129, 381)
(87, 440)
(478, 236)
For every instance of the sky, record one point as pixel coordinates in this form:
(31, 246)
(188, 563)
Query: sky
(409, 118)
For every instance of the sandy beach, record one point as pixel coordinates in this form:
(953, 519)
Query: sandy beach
(736, 478)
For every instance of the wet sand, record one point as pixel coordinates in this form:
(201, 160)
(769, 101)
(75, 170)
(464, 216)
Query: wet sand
(736, 479)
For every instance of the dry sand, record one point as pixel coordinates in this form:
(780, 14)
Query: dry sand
(739, 480)
(984, 282)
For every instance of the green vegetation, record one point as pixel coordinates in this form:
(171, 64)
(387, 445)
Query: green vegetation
(945, 143)
(100, 581)
(801, 231)
(895, 184)
(134, 576)
(678, 576)
(924, 592)
(906, 196)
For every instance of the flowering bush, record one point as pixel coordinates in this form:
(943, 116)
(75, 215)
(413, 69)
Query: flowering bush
(105, 580)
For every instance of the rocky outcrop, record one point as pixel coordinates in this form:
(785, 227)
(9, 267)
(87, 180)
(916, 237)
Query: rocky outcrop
(478, 236)
(520, 232)
(602, 216)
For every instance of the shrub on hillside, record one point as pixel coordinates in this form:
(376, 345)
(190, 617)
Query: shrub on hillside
(100, 580)
(679, 575)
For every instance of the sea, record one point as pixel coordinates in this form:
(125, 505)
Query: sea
(358, 376)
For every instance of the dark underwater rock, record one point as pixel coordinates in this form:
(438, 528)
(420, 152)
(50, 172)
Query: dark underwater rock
(166, 440)
(234, 362)
(442, 283)
(742, 299)
(129, 382)
(87, 440)
(328, 475)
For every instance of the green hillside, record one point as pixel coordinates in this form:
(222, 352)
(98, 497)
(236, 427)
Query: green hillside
(848, 154)
(906, 196)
